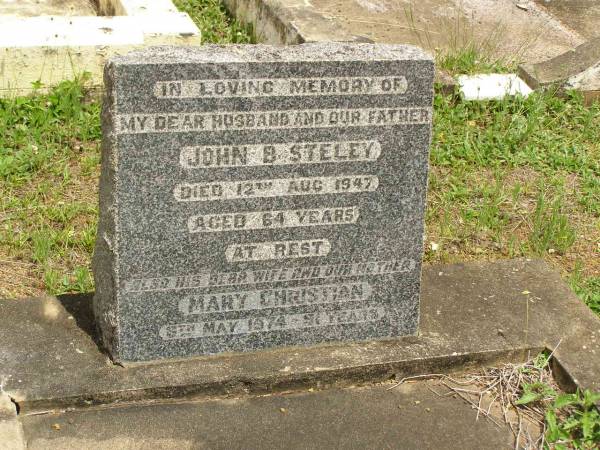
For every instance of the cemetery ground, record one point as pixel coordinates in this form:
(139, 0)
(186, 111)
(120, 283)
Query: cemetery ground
(508, 179)
(512, 178)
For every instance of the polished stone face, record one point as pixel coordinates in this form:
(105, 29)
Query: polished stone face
(255, 197)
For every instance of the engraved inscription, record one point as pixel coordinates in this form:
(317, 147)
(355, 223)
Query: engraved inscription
(260, 220)
(271, 87)
(208, 328)
(279, 187)
(276, 275)
(260, 120)
(275, 298)
(261, 251)
(215, 156)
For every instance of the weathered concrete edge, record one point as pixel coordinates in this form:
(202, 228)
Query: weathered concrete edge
(273, 23)
(561, 67)
(12, 436)
(236, 386)
(564, 71)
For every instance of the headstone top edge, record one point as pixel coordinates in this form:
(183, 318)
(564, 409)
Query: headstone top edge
(249, 53)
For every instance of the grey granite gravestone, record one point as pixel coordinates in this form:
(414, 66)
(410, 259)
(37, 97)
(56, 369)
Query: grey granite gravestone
(255, 197)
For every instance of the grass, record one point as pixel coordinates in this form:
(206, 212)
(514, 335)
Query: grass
(49, 156)
(571, 420)
(518, 177)
(217, 27)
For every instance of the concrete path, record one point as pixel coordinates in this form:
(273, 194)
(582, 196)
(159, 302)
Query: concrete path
(408, 417)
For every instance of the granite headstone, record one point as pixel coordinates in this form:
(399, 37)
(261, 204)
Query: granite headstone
(255, 196)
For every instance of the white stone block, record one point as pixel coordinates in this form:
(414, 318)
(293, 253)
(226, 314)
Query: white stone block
(492, 86)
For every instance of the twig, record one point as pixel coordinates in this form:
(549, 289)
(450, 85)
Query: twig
(518, 434)
(437, 393)
(426, 376)
(492, 404)
(415, 377)
(471, 403)
(552, 352)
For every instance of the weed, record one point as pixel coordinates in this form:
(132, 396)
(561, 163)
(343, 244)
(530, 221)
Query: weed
(588, 289)
(572, 420)
(42, 247)
(52, 281)
(469, 60)
(551, 229)
(216, 25)
(465, 53)
(47, 195)
(82, 280)
(535, 392)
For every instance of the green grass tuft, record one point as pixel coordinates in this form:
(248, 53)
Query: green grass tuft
(49, 156)
(541, 131)
(214, 23)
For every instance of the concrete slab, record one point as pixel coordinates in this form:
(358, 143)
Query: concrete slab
(493, 86)
(409, 417)
(49, 49)
(31, 8)
(576, 69)
(472, 315)
(499, 27)
(582, 16)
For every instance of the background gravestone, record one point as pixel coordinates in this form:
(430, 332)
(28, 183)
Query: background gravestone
(256, 196)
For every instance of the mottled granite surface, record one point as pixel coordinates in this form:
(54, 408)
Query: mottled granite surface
(257, 196)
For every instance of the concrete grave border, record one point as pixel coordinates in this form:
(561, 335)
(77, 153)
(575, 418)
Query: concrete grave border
(50, 49)
(576, 69)
(472, 315)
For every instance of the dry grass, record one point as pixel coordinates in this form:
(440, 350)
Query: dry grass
(494, 395)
